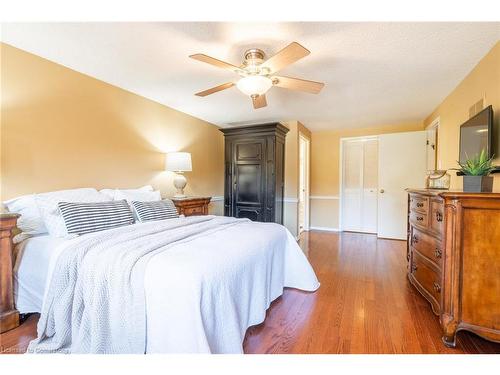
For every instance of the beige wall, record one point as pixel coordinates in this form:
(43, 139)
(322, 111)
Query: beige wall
(325, 171)
(61, 129)
(483, 82)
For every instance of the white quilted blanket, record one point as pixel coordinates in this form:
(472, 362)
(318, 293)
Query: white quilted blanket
(185, 285)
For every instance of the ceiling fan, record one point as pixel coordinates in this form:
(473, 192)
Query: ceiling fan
(258, 76)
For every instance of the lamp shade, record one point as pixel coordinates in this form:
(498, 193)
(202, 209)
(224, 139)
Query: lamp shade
(178, 162)
(254, 85)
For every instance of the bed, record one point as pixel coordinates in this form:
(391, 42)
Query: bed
(184, 285)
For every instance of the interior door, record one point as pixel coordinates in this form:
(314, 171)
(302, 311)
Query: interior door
(401, 164)
(359, 185)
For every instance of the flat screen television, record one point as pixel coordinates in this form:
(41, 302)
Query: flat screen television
(477, 134)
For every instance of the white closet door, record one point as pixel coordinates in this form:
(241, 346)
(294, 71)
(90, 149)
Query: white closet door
(370, 186)
(402, 164)
(359, 181)
(352, 181)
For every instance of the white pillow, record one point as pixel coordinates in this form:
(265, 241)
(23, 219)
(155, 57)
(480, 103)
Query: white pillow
(31, 222)
(138, 195)
(111, 192)
(47, 204)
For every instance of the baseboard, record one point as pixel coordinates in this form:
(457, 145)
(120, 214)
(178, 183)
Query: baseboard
(326, 229)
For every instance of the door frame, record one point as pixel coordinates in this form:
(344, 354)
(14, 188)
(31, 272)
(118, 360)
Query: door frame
(435, 125)
(341, 171)
(306, 166)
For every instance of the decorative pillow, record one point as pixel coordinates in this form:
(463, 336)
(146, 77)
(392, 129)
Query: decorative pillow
(150, 211)
(31, 222)
(47, 203)
(82, 218)
(111, 192)
(138, 195)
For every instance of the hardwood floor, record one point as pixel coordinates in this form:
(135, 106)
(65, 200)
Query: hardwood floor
(364, 305)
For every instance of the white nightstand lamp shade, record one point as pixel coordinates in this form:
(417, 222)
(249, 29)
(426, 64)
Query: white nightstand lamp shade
(179, 162)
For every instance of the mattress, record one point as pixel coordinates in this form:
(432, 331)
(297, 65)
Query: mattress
(32, 258)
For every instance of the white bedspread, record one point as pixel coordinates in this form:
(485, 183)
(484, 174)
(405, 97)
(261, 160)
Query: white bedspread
(185, 285)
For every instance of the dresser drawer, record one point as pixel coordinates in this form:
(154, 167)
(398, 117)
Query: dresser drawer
(420, 204)
(190, 211)
(437, 216)
(419, 218)
(427, 245)
(427, 276)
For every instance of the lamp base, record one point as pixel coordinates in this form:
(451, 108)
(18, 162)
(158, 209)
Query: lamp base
(180, 183)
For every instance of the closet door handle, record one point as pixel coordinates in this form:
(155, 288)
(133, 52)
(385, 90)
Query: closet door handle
(382, 191)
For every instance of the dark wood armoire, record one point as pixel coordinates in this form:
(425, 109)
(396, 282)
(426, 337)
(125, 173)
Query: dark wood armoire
(255, 172)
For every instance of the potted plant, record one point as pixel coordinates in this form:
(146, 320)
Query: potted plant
(476, 172)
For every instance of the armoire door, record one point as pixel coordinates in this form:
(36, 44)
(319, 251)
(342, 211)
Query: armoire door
(249, 179)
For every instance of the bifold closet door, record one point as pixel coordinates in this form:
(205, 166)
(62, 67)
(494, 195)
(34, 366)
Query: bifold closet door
(359, 185)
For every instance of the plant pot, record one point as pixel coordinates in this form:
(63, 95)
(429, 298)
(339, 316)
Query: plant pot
(478, 184)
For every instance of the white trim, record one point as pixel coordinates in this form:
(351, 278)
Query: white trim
(358, 138)
(307, 142)
(329, 197)
(434, 123)
(217, 198)
(290, 200)
(326, 229)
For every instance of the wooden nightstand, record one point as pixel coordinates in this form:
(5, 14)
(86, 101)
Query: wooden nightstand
(191, 206)
(9, 316)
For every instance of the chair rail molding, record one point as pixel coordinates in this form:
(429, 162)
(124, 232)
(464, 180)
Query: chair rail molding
(325, 197)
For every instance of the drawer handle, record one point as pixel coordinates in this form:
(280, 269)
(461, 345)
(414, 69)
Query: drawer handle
(420, 205)
(420, 218)
(439, 216)
(414, 239)
(438, 252)
(437, 288)
(414, 267)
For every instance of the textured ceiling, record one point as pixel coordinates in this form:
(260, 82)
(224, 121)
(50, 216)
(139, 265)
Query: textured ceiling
(374, 73)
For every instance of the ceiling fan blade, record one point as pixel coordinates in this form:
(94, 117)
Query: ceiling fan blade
(259, 101)
(311, 87)
(215, 62)
(288, 55)
(215, 89)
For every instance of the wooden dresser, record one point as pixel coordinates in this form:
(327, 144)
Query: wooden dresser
(454, 259)
(191, 206)
(9, 316)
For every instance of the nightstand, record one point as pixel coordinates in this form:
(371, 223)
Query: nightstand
(9, 316)
(191, 206)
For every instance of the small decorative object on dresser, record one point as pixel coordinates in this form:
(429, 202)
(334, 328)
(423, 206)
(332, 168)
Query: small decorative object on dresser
(179, 162)
(476, 170)
(454, 259)
(191, 206)
(9, 316)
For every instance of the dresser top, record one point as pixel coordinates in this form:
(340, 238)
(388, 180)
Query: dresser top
(453, 194)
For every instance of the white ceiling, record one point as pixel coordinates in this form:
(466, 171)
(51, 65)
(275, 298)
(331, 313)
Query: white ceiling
(374, 73)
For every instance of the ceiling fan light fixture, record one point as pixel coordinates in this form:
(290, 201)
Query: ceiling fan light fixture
(254, 85)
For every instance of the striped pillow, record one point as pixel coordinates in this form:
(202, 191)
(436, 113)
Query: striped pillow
(82, 218)
(157, 210)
